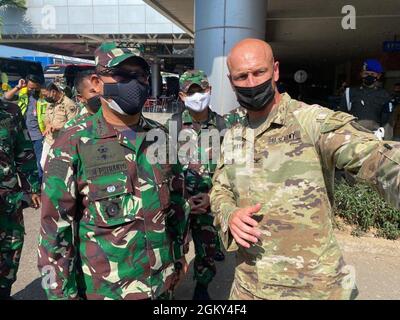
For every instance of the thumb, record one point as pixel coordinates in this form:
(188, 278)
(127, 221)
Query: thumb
(253, 209)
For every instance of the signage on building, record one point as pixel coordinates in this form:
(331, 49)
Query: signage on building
(391, 46)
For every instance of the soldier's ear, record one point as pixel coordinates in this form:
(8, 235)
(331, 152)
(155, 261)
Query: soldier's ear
(276, 71)
(96, 83)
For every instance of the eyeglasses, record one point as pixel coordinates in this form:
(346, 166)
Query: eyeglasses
(123, 75)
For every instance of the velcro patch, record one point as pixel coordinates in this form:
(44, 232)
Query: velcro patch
(58, 168)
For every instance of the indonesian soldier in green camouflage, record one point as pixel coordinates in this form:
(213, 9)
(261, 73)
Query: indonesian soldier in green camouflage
(17, 162)
(132, 233)
(199, 164)
(89, 100)
(272, 192)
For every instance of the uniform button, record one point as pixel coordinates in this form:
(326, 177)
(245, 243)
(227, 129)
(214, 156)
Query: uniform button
(112, 209)
(179, 240)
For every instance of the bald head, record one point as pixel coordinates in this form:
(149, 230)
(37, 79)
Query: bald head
(249, 49)
(251, 62)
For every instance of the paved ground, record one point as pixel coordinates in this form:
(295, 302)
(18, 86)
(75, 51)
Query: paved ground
(376, 262)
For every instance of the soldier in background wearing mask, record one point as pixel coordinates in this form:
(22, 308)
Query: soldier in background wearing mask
(60, 110)
(368, 102)
(195, 92)
(88, 98)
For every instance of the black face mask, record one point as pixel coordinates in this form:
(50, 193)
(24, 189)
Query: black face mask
(94, 104)
(50, 100)
(368, 81)
(255, 98)
(130, 96)
(34, 93)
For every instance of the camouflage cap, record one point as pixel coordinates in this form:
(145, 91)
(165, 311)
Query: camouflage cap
(110, 55)
(193, 77)
(59, 82)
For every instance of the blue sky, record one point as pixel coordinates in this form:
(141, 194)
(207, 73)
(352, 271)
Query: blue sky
(7, 52)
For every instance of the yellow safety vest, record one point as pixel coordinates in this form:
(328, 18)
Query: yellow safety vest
(41, 105)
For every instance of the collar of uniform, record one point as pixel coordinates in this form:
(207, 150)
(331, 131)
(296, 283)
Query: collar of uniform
(61, 99)
(105, 130)
(277, 116)
(102, 129)
(187, 119)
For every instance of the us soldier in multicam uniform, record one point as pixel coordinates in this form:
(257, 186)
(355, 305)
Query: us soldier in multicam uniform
(132, 233)
(275, 208)
(17, 161)
(195, 91)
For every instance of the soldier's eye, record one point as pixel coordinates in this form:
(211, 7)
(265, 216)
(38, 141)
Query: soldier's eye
(259, 73)
(241, 77)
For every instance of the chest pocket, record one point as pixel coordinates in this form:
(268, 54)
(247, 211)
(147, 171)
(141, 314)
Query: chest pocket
(109, 185)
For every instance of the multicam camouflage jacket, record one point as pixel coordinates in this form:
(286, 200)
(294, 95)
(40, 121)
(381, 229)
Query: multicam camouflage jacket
(200, 162)
(287, 165)
(130, 215)
(17, 159)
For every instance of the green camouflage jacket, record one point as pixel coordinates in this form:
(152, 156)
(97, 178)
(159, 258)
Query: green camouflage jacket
(131, 216)
(198, 173)
(17, 159)
(289, 169)
(80, 117)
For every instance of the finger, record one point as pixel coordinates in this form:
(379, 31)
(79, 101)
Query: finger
(202, 203)
(239, 240)
(253, 209)
(250, 221)
(198, 196)
(195, 207)
(247, 229)
(243, 235)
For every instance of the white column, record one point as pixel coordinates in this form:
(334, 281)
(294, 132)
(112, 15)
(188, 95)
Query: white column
(219, 24)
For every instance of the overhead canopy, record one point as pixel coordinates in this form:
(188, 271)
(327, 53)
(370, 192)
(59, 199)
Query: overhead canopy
(83, 46)
(311, 30)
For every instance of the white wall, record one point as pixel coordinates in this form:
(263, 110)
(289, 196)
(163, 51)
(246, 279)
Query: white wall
(86, 17)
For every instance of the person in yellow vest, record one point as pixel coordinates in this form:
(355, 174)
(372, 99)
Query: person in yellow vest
(33, 108)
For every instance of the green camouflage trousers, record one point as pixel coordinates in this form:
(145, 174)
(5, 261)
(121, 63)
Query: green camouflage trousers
(11, 238)
(206, 244)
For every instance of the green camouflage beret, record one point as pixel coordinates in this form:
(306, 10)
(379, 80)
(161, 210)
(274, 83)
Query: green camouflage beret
(193, 77)
(110, 55)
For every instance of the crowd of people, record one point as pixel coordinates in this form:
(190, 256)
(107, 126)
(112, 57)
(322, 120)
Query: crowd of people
(115, 225)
